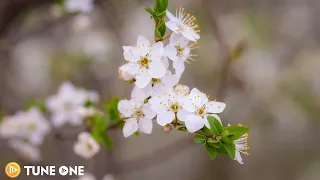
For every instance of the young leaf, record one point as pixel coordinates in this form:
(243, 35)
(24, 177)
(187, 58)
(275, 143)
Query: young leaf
(112, 109)
(162, 28)
(235, 132)
(215, 125)
(212, 151)
(159, 6)
(151, 12)
(206, 130)
(107, 142)
(211, 141)
(231, 149)
(165, 4)
(89, 103)
(157, 33)
(200, 139)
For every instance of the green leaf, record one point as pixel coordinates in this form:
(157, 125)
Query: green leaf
(31, 103)
(157, 33)
(206, 130)
(235, 132)
(224, 133)
(215, 125)
(211, 151)
(183, 128)
(89, 103)
(212, 141)
(231, 149)
(200, 139)
(112, 109)
(151, 12)
(165, 4)
(159, 6)
(162, 14)
(162, 28)
(107, 142)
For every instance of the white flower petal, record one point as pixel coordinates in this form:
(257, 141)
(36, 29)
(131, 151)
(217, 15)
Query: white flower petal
(189, 105)
(215, 107)
(130, 127)
(131, 54)
(170, 80)
(179, 67)
(125, 108)
(165, 62)
(145, 125)
(157, 69)
(138, 94)
(171, 16)
(148, 112)
(182, 115)
(178, 40)
(198, 97)
(238, 157)
(156, 51)
(194, 123)
(165, 118)
(171, 52)
(143, 78)
(190, 34)
(144, 45)
(173, 26)
(130, 68)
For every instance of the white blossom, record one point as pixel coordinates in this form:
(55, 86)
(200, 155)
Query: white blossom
(28, 125)
(144, 61)
(179, 51)
(169, 104)
(26, 150)
(86, 146)
(241, 145)
(65, 104)
(183, 23)
(140, 114)
(196, 109)
(85, 6)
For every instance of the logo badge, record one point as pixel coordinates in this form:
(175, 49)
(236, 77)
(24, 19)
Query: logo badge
(12, 170)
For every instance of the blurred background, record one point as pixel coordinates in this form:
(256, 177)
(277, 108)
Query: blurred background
(273, 86)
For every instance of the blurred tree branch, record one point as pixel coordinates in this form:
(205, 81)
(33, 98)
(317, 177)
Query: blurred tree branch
(11, 10)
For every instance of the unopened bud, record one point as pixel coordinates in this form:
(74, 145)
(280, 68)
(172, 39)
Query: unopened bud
(167, 128)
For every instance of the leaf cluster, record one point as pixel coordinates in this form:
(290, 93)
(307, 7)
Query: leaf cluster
(219, 139)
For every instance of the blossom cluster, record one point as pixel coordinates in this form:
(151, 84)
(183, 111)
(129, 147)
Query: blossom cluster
(157, 93)
(26, 130)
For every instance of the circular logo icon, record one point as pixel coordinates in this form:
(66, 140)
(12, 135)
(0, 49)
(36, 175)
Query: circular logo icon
(63, 170)
(12, 170)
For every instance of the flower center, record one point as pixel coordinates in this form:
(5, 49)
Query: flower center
(179, 50)
(67, 106)
(144, 62)
(155, 80)
(138, 113)
(32, 127)
(175, 107)
(89, 147)
(201, 111)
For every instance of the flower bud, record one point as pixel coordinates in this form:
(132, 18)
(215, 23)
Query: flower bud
(167, 128)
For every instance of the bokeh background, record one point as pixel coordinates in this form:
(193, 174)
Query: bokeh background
(273, 87)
